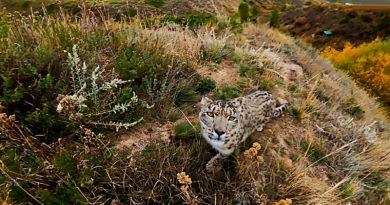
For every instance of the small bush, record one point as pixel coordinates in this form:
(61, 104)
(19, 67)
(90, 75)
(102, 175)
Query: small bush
(315, 151)
(227, 93)
(352, 108)
(244, 85)
(274, 19)
(217, 54)
(266, 81)
(131, 12)
(94, 97)
(234, 23)
(174, 114)
(321, 95)
(293, 88)
(155, 3)
(205, 85)
(296, 112)
(346, 191)
(243, 10)
(185, 130)
(66, 164)
(244, 70)
(26, 4)
(193, 21)
(135, 63)
(185, 94)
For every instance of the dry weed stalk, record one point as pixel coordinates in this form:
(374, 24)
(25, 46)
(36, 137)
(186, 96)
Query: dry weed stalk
(189, 196)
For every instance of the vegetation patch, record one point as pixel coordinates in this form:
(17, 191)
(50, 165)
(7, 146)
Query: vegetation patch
(205, 85)
(186, 94)
(193, 21)
(368, 64)
(315, 151)
(155, 3)
(185, 130)
(227, 93)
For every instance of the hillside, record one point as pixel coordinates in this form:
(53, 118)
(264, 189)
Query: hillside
(347, 24)
(97, 110)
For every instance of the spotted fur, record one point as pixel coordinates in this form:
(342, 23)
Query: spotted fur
(226, 124)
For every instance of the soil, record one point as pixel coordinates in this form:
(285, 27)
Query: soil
(347, 24)
(223, 73)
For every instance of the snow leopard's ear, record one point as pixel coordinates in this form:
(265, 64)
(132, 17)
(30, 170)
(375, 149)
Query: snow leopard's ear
(205, 101)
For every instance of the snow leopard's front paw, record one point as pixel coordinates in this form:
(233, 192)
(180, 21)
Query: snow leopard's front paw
(215, 164)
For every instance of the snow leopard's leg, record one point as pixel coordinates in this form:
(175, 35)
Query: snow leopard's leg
(215, 163)
(260, 128)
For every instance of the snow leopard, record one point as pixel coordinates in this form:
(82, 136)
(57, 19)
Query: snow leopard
(226, 124)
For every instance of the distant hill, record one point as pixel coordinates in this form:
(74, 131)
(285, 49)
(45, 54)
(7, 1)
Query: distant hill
(363, 1)
(346, 25)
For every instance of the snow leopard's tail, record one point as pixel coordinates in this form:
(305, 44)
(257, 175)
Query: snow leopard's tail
(279, 110)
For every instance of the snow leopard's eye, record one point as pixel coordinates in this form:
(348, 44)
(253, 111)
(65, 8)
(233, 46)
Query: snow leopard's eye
(210, 114)
(231, 118)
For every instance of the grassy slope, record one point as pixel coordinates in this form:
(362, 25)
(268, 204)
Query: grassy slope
(327, 150)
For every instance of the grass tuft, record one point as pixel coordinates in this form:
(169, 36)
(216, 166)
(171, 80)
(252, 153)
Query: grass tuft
(227, 93)
(155, 3)
(185, 130)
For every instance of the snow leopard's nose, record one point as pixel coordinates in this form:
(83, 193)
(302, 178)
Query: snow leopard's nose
(219, 132)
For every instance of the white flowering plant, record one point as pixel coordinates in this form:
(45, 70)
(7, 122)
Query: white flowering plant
(93, 98)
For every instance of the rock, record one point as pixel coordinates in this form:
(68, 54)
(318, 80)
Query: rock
(291, 72)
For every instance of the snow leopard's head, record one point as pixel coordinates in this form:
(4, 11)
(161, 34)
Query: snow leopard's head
(219, 120)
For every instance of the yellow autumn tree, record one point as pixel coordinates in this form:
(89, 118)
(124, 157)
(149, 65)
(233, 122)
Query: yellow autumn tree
(368, 64)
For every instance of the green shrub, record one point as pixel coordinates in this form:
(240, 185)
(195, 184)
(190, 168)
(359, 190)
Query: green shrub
(244, 84)
(52, 8)
(47, 122)
(227, 93)
(185, 94)
(217, 54)
(296, 112)
(193, 21)
(32, 101)
(65, 163)
(205, 85)
(351, 107)
(235, 23)
(11, 93)
(293, 88)
(156, 3)
(244, 70)
(321, 95)
(243, 10)
(174, 114)
(26, 4)
(134, 63)
(185, 130)
(346, 191)
(315, 151)
(131, 12)
(274, 19)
